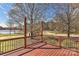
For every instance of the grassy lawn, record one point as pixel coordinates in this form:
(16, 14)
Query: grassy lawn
(76, 33)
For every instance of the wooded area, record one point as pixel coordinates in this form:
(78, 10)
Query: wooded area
(64, 19)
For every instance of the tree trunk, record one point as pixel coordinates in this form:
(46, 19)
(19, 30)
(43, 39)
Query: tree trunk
(68, 34)
(31, 28)
(68, 31)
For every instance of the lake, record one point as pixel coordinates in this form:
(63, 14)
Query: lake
(7, 31)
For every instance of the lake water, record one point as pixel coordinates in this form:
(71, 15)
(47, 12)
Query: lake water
(7, 31)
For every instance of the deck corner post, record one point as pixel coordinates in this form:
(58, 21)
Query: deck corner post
(25, 32)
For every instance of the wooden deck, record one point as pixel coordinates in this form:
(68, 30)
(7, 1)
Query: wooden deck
(43, 49)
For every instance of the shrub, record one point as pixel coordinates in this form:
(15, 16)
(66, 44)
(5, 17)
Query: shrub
(51, 40)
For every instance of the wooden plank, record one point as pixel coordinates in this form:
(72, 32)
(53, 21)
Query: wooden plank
(51, 52)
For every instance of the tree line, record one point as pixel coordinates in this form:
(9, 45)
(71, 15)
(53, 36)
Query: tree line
(64, 16)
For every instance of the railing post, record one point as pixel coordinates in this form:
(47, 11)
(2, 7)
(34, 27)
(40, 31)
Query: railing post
(59, 40)
(42, 30)
(25, 32)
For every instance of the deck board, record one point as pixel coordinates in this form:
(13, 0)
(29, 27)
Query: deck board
(51, 52)
(41, 50)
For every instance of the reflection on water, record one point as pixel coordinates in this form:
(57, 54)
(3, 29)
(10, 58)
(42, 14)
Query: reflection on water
(8, 31)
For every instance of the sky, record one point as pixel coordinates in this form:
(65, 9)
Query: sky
(5, 7)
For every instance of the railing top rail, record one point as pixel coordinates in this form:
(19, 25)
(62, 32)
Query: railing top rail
(8, 39)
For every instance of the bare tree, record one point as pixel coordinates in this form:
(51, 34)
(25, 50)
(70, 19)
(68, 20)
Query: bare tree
(66, 14)
(10, 25)
(33, 12)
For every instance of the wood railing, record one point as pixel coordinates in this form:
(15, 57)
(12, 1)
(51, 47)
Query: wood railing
(71, 44)
(63, 42)
(7, 45)
(11, 44)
